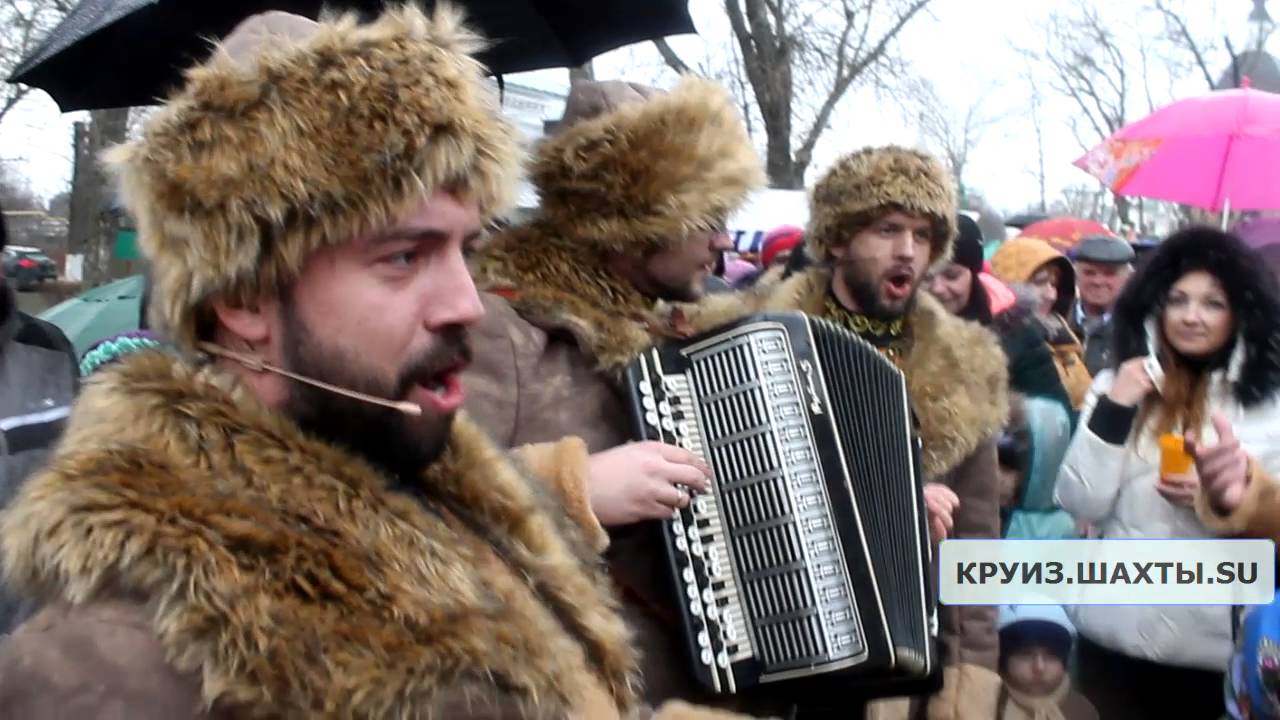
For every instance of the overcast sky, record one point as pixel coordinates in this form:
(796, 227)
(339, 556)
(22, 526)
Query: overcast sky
(967, 48)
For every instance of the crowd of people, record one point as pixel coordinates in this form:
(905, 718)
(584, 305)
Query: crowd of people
(364, 459)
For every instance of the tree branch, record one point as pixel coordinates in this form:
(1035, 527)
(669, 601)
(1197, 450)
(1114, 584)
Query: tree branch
(671, 58)
(1179, 27)
(843, 80)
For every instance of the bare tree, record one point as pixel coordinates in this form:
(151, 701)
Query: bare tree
(952, 133)
(23, 25)
(1088, 64)
(1036, 101)
(800, 58)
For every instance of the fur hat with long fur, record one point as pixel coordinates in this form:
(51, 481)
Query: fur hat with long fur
(864, 185)
(1251, 291)
(648, 173)
(261, 160)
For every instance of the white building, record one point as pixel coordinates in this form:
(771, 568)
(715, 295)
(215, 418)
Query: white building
(530, 109)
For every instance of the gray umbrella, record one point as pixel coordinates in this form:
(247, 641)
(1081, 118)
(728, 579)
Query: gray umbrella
(119, 53)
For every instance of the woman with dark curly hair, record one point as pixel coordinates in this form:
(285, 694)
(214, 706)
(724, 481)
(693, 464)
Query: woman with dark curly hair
(1196, 356)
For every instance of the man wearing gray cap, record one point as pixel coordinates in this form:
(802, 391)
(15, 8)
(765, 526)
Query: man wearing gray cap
(1103, 266)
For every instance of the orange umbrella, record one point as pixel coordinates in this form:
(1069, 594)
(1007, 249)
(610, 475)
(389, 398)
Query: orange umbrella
(1063, 233)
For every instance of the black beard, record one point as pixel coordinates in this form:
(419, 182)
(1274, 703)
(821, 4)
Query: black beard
(401, 445)
(865, 291)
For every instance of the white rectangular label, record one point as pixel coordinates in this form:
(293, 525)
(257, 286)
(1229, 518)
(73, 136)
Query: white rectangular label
(1107, 572)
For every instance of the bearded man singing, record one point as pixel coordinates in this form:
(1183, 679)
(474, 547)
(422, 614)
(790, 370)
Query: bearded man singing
(217, 538)
(878, 219)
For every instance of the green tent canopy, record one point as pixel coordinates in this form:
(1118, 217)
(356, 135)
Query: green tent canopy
(99, 313)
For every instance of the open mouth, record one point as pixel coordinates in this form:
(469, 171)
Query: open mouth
(441, 389)
(898, 284)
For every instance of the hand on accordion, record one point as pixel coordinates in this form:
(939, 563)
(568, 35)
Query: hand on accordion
(643, 481)
(941, 502)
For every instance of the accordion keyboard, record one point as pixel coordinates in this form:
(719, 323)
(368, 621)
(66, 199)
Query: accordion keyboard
(764, 540)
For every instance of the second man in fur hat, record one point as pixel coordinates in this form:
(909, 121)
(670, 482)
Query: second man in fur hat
(635, 193)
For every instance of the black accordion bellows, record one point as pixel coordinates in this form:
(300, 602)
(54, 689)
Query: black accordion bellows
(807, 564)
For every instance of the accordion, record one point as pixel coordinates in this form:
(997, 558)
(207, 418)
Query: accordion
(808, 560)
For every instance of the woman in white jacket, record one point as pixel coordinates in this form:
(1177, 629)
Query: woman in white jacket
(1206, 310)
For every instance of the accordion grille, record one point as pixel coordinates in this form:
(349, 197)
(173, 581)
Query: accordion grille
(787, 559)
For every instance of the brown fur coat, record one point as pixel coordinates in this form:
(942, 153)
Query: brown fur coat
(280, 576)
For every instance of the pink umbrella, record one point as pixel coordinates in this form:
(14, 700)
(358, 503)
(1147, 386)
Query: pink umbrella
(1219, 151)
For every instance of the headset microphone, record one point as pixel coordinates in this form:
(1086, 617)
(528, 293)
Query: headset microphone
(257, 364)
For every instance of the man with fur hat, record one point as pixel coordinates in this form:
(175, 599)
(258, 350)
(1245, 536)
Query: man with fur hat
(635, 191)
(878, 219)
(284, 518)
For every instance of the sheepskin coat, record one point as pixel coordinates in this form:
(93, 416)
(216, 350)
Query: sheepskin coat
(198, 556)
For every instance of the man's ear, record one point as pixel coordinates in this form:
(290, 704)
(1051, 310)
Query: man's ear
(251, 322)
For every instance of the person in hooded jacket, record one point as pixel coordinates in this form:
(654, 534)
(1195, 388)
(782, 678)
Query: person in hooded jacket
(958, 286)
(1033, 264)
(1202, 315)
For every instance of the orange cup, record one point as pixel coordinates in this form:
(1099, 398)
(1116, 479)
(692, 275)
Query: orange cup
(1174, 459)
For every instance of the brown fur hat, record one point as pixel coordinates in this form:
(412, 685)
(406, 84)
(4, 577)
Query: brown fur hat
(862, 186)
(649, 172)
(310, 141)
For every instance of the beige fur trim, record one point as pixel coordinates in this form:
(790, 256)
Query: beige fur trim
(650, 172)
(563, 465)
(288, 575)
(254, 166)
(969, 692)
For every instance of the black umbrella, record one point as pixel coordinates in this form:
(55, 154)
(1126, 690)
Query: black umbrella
(118, 53)
(1025, 219)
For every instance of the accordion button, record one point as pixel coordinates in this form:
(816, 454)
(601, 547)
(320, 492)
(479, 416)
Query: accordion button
(693, 532)
(646, 388)
(664, 407)
(693, 592)
(648, 403)
(687, 574)
(651, 418)
(717, 570)
(707, 657)
(722, 660)
(703, 639)
(713, 612)
(696, 548)
(708, 597)
(681, 544)
(668, 424)
(695, 609)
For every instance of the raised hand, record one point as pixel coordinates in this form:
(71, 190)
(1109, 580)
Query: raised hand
(1223, 468)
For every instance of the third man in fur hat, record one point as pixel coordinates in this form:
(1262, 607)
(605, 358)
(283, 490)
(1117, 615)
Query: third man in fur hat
(879, 218)
(635, 191)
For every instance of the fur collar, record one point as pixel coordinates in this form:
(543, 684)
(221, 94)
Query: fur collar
(956, 371)
(289, 576)
(560, 285)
